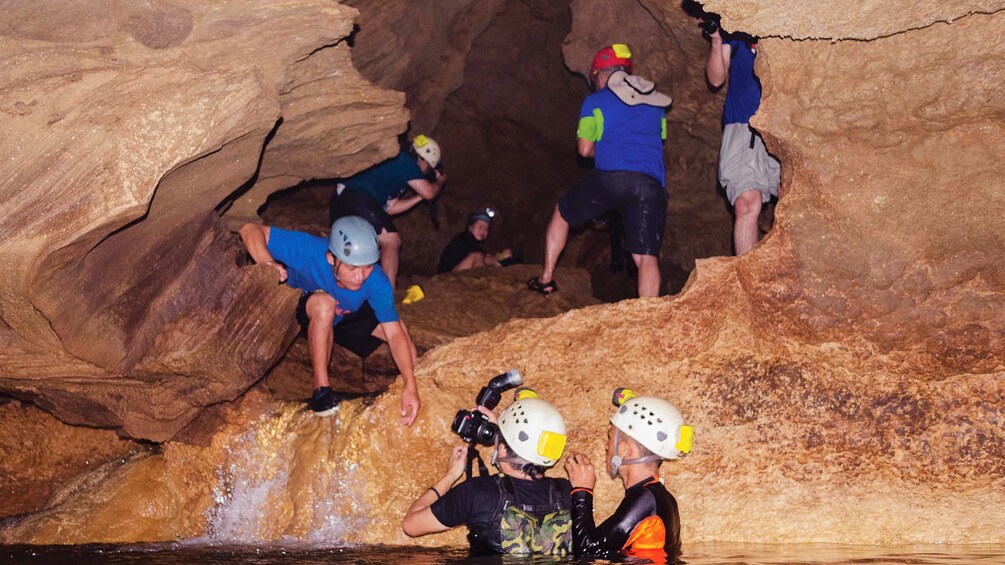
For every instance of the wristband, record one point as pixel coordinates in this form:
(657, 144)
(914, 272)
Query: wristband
(436, 492)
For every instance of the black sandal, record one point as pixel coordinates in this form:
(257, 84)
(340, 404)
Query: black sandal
(547, 288)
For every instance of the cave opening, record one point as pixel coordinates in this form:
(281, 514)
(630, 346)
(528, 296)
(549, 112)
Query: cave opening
(507, 130)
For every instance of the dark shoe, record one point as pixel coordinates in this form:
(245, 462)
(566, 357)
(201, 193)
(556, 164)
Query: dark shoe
(547, 288)
(323, 402)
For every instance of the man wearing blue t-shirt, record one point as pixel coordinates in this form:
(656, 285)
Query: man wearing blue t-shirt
(346, 299)
(378, 193)
(749, 175)
(622, 125)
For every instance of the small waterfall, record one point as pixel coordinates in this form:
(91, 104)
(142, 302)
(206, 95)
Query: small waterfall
(285, 479)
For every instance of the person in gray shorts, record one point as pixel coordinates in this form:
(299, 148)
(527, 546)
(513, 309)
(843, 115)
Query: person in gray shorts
(750, 175)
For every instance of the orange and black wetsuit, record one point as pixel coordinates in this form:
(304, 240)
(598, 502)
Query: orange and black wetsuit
(646, 524)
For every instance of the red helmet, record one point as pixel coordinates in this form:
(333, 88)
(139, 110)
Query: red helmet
(617, 55)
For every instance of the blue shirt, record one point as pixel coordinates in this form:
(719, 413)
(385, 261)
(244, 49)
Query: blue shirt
(743, 95)
(627, 138)
(386, 180)
(309, 270)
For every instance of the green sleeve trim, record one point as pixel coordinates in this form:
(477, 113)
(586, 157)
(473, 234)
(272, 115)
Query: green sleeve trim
(663, 125)
(591, 128)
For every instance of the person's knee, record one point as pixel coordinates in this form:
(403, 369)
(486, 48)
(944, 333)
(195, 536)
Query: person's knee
(644, 260)
(389, 240)
(748, 204)
(321, 307)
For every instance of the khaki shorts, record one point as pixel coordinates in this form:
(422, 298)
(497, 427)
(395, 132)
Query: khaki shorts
(742, 167)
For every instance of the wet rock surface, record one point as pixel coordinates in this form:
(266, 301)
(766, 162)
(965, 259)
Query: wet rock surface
(845, 379)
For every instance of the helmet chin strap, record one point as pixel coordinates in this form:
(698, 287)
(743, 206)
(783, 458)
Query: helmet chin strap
(617, 462)
(497, 459)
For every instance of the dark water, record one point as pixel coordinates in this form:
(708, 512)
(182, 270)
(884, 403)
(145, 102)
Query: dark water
(695, 554)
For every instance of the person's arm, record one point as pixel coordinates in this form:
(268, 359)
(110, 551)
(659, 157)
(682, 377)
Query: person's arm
(419, 519)
(613, 533)
(256, 240)
(401, 351)
(586, 147)
(401, 205)
(610, 537)
(428, 190)
(717, 66)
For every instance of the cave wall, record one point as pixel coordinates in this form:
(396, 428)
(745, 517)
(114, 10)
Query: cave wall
(846, 375)
(128, 127)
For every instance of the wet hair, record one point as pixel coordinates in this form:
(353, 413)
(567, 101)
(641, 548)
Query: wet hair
(535, 472)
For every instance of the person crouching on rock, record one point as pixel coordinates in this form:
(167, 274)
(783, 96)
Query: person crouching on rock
(646, 525)
(518, 510)
(347, 299)
(465, 250)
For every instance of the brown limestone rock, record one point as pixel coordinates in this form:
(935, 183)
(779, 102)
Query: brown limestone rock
(129, 128)
(39, 455)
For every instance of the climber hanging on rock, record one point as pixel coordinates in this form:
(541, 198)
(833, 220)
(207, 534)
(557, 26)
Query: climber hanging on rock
(748, 173)
(379, 192)
(347, 299)
(622, 125)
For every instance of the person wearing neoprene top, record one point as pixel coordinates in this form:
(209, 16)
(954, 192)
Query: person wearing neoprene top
(643, 432)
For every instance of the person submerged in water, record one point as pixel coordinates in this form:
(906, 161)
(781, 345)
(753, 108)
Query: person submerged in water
(465, 250)
(643, 432)
(516, 511)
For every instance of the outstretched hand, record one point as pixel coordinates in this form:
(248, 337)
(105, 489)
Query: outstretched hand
(409, 405)
(580, 471)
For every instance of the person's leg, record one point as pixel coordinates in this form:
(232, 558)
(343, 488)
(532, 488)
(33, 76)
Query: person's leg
(474, 260)
(390, 245)
(747, 208)
(320, 313)
(555, 238)
(649, 275)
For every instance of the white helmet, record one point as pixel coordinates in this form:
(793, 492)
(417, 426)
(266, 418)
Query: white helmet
(653, 422)
(428, 149)
(533, 429)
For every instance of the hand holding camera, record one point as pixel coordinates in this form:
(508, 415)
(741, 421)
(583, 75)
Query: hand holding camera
(710, 24)
(474, 426)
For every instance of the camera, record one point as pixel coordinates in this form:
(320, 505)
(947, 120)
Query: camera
(475, 427)
(709, 23)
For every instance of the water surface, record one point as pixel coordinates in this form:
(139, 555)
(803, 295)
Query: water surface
(695, 554)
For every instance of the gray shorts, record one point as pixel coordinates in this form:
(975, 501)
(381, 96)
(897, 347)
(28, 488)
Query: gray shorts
(743, 167)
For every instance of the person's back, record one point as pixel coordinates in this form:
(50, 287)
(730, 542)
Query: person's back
(632, 136)
(510, 515)
(386, 180)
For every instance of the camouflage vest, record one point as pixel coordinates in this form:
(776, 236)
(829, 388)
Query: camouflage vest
(544, 529)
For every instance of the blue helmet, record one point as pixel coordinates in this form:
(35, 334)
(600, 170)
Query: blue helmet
(353, 241)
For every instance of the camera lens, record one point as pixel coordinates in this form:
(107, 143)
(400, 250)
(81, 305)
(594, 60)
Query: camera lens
(486, 433)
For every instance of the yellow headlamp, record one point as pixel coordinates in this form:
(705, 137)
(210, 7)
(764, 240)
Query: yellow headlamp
(622, 51)
(551, 445)
(420, 141)
(684, 438)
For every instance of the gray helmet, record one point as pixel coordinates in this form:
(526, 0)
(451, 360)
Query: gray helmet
(353, 241)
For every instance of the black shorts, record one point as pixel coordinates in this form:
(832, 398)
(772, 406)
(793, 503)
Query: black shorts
(352, 203)
(354, 332)
(639, 198)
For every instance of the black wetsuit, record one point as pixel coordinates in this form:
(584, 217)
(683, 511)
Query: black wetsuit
(646, 524)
